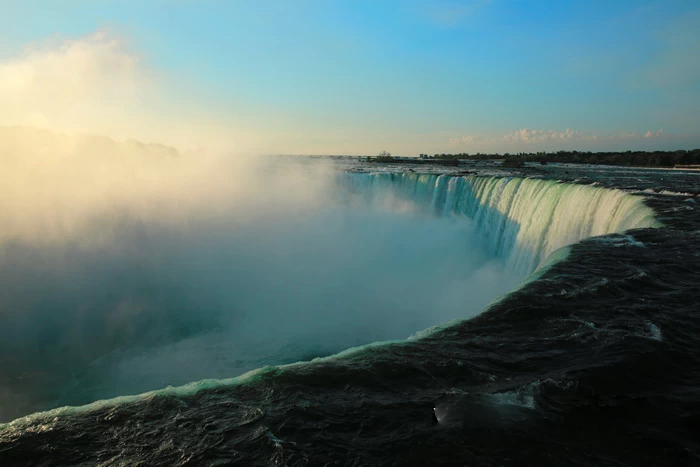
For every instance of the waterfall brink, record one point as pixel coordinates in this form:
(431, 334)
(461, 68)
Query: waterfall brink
(522, 220)
(163, 303)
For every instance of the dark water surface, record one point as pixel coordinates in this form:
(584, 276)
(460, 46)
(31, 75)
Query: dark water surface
(596, 362)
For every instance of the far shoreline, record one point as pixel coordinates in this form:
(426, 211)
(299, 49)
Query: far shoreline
(668, 160)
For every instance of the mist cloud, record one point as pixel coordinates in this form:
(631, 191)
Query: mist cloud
(127, 267)
(100, 84)
(74, 84)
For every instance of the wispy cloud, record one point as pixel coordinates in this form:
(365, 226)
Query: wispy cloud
(469, 139)
(646, 135)
(530, 139)
(526, 135)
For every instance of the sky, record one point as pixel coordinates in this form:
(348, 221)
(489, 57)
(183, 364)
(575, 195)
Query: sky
(357, 76)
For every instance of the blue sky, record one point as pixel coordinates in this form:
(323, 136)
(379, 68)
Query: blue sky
(313, 76)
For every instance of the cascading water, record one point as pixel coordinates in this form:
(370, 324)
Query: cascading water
(522, 220)
(540, 377)
(165, 305)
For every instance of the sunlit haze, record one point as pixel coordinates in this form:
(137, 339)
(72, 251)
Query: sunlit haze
(349, 232)
(356, 77)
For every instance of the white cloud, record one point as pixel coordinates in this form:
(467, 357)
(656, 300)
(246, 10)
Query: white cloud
(535, 140)
(646, 135)
(97, 84)
(526, 135)
(470, 139)
(73, 84)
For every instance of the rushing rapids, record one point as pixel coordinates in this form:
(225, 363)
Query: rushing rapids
(544, 374)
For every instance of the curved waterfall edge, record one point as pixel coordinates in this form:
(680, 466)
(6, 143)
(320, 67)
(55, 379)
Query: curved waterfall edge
(492, 196)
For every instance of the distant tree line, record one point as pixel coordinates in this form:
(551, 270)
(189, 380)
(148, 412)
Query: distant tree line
(627, 158)
(383, 156)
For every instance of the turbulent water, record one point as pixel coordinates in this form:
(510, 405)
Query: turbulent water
(593, 360)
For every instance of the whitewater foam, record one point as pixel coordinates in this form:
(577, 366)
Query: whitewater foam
(654, 332)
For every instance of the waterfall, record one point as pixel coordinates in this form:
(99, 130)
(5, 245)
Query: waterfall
(523, 220)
